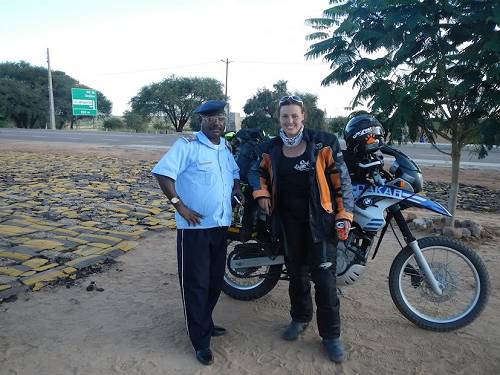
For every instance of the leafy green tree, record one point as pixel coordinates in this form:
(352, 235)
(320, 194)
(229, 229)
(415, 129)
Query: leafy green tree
(315, 117)
(175, 98)
(113, 123)
(135, 121)
(432, 67)
(262, 109)
(336, 124)
(24, 97)
(22, 104)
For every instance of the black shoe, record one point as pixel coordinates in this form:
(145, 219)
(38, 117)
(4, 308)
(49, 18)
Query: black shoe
(205, 356)
(335, 350)
(293, 330)
(218, 331)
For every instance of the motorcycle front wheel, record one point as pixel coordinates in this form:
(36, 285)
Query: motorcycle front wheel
(246, 284)
(462, 276)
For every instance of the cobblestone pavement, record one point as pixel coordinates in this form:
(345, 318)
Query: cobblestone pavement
(60, 215)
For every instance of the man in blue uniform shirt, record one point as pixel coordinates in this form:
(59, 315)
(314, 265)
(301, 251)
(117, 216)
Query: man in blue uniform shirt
(199, 177)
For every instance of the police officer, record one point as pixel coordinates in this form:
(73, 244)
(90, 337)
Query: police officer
(199, 177)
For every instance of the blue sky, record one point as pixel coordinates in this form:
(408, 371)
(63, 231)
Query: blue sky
(119, 46)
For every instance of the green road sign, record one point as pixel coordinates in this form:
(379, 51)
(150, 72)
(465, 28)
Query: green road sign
(84, 102)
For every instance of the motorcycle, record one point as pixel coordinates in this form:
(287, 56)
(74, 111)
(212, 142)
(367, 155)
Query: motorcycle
(438, 283)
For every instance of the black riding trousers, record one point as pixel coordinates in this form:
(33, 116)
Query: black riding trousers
(305, 261)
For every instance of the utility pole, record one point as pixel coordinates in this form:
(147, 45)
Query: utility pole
(228, 111)
(52, 116)
(226, 61)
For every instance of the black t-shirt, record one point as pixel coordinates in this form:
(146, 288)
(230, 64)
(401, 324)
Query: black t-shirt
(293, 186)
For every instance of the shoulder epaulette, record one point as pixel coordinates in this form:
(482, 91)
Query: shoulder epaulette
(189, 138)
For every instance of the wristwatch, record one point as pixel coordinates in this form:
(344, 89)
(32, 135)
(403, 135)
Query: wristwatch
(174, 200)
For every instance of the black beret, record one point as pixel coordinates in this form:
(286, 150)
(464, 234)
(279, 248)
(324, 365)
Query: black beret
(211, 107)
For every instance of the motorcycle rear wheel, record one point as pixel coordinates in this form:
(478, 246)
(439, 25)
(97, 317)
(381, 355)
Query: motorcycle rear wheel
(458, 269)
(254, 283)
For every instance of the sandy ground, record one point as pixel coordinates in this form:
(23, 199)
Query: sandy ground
(136, 325)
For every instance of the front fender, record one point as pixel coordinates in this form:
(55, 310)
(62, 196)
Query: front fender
(419, 201)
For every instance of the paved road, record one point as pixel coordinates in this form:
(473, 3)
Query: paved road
(423, 154)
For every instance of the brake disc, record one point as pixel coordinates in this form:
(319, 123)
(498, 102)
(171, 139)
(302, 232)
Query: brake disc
(446, 278)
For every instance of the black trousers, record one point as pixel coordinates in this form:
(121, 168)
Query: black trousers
(304, 258)
(201, 258)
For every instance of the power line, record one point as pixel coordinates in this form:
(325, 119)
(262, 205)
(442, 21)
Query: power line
(201, 64)
(273, 62)
(157, 69)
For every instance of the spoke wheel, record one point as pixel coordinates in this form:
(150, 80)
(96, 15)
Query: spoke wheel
(459, 271)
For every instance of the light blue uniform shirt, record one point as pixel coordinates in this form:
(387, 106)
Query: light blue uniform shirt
(203, 174)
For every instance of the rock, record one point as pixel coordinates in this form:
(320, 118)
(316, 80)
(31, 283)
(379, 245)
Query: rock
(91, 286)
(476, 230)
(466, 233)
(420, 224)
(468, 223)
(452, 232)
(429, 222)
(410, 216)
(437, 220)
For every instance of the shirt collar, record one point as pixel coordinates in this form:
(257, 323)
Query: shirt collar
(202, 138)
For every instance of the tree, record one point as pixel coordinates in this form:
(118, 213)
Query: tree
(432, 67)
(262, 109)
(336, 124)
(315, 117)
(175, 98)
(135, 121)
(22, 104)
(24, 95)
(112, 123)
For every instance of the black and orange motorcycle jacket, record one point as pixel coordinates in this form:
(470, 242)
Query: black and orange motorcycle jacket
(330, 197)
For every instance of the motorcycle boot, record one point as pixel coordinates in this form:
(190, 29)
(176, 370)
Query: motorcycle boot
(293, 330)
(335, 350)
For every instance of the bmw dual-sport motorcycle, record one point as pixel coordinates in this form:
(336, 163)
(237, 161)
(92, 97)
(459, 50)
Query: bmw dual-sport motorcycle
(436, 282)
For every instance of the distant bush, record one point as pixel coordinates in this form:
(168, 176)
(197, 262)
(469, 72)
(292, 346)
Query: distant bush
(4, 123)
(135, 121)
(113, 123)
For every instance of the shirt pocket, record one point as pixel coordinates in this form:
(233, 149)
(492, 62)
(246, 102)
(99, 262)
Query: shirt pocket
(206, 172)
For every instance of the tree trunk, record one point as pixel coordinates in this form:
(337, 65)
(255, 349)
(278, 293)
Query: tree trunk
(180, 126)
(456, 151)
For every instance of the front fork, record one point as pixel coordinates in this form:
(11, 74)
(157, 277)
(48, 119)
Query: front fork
(413, 244)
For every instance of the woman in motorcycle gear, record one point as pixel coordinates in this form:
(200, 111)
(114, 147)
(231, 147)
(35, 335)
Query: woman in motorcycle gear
(301, 181)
